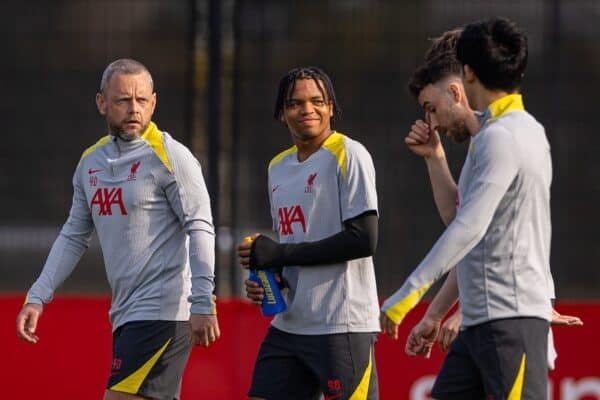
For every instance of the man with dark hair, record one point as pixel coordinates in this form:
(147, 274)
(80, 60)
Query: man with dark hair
(324, 207)
(144, 194)
(500, 233)
(442, 69)
(496, 51)
(445, 46)
(440, 80)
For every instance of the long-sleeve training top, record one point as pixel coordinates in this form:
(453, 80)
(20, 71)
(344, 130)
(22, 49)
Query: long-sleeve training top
(500, 236)
(148, 202)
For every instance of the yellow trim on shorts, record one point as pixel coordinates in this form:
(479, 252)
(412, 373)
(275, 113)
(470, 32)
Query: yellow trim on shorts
(399, 310)
(93, 147)
(133, 382)
(517, 388)
(155, 139)
(335, 144)
(362, 390)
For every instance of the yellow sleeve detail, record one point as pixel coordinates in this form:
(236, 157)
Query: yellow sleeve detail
(335, 145)
(155, 139)
(93, 147)
(282, 155)
(399, 310)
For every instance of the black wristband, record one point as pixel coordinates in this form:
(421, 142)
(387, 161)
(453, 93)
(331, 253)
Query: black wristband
(265, 253)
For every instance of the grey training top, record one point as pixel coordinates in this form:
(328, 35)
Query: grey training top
(310, 200)
(500, 236)
(148, 202)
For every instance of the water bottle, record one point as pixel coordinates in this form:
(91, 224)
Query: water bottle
(272, 302)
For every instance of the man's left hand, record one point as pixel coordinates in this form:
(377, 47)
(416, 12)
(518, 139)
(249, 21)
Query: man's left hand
(449, 330)
(204, 329)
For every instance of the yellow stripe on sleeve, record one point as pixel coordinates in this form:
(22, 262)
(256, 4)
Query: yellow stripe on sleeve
(517, 389)
(155, 139)
(132, 383)
(335, 144)
(93, 147)
(362, 390)
(399, 310)
(282, 155)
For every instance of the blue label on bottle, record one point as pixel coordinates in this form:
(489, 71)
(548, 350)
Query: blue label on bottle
(272, 302)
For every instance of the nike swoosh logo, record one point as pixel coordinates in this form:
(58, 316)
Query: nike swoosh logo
(93, 171)
(275, 188)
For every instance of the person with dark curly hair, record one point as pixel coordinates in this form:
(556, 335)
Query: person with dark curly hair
(324, 208)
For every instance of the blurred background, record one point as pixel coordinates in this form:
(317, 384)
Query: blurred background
(216, 66)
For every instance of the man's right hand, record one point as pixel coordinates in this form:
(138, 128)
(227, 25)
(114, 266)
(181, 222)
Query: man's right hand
(423, 141)
(27, 321)
(565, 320)
(388, 327)
(244, 249)
(254, 292)
(422, 337)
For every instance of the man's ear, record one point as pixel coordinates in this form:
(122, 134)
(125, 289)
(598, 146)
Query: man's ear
(101, 104)
(456, 91)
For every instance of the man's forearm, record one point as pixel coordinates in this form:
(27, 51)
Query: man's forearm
(445, 191)
(64, 256)
(445, 298)
(358, 239)
(202, 266)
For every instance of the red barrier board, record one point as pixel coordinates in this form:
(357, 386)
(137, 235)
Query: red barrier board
(72, 359)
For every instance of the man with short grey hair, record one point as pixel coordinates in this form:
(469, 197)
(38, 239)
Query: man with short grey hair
(144, 193)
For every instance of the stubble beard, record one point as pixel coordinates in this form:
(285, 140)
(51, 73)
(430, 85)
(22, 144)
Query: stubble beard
(116, 130)
(458, 132)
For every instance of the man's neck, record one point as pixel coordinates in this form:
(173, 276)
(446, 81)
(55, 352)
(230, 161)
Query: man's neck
(482, 97)
(472, 123)
(307, 147)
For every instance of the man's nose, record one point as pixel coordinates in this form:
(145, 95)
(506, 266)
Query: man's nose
(431, 120)
(307, 107)
(134, 107)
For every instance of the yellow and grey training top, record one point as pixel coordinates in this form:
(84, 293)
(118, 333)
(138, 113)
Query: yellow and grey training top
(149, 205)
(310, 200)
(500, 236)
